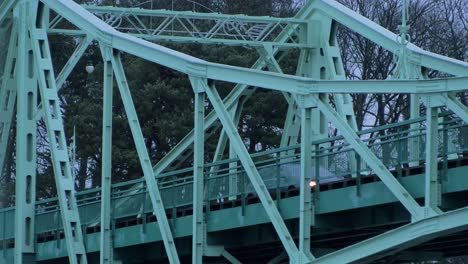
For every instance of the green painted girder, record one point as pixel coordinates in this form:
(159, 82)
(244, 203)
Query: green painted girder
(26, 129)
(202, 69)
(306, 211)
(196, 67)
(332, 201)
(198, 224)
(63, 176)
(433, 194)
(193, 27)
(106, 243)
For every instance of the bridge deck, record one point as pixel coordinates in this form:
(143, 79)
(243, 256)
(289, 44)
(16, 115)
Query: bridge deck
(344, 193)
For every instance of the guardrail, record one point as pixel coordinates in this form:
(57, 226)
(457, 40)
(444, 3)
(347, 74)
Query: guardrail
(333, 160)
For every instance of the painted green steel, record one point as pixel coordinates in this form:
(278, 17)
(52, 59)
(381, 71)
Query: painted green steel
(145, 162)
(198, 225)
(433, 194)
(26, 86)
(56, 135)
(364, 152)
(194, 27)
(387, 39)
(252, 172)
(305, 198)
(454, 105)
(189, 65)
(234, 218)
(453, 130)
(106, 255)
(313, 31)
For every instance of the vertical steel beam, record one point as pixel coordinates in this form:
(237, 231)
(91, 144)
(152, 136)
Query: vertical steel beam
(198, 85)
(145, 161)
(305, 206)
(433, 195)
(374, 163)
(252, 172)
(25, 196)
(106, 254)
(414, 141)
(56, 135)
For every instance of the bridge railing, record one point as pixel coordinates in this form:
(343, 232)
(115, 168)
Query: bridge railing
(279, 168)
(192, 27)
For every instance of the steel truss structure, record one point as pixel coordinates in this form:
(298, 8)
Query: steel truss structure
(29, 74)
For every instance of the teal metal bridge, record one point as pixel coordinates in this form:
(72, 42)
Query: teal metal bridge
(392, 194)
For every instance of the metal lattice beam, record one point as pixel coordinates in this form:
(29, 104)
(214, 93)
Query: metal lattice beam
(26, 128)
(185, 63)
(193, 27)
(56, 134)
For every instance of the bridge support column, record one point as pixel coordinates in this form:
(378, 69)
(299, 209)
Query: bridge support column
(106, 243)
(433, 194)
(65, 184)
(305, 207)
(198, 85)
(26, 84)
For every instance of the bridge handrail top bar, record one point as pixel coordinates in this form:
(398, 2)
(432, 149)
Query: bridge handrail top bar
(200, 68)
(189, 14)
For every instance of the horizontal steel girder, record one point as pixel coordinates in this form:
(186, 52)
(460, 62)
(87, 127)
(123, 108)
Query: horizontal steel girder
(332, 201)
(200, 68)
